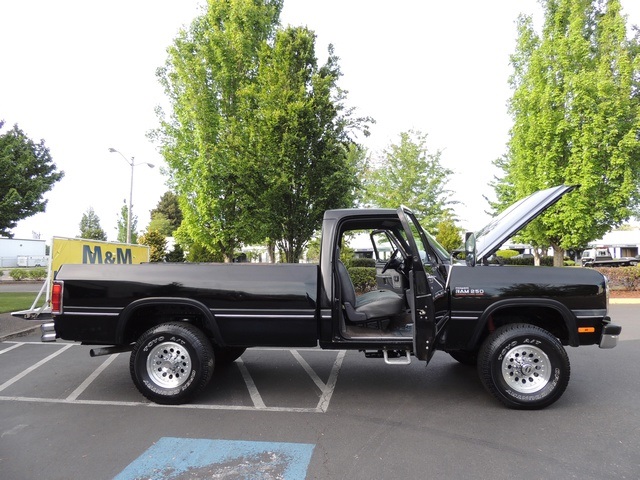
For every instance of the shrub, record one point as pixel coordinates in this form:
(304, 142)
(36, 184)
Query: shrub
(37, 274)
(523, 262)
(18, 274)
(1, 272)
(506, 253)
(544, 262)
(362, 262)
(363, 278)
(622, 278)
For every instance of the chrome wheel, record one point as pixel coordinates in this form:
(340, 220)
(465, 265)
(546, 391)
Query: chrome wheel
(524, 366)
(169, 365)
(526, 369)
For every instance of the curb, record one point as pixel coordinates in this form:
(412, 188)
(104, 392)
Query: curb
(624, 301)
(20, 333)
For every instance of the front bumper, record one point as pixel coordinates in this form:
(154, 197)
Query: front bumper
(610, 334)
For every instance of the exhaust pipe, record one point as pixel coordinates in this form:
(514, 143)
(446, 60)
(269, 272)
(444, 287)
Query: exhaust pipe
(48, 332)
(97, 352)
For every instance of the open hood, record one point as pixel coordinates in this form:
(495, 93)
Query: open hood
(515, 218)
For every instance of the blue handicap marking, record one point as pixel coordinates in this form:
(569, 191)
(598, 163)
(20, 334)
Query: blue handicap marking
(182, 458)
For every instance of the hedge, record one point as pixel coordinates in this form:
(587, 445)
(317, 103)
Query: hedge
(37, 274)
(362, 262)
(544, 261)
(33, 274)
(363, 278)
(622, 278)
(18, 274)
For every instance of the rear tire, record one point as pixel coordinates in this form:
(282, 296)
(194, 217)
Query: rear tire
(171, 363)
(524, 366)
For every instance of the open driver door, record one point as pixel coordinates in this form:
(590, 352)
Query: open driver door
(420, 297)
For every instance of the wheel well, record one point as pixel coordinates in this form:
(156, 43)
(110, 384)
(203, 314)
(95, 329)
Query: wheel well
(147, 316)
(546, 318)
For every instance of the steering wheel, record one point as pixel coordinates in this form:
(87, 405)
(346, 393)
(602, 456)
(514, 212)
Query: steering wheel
(393, 262)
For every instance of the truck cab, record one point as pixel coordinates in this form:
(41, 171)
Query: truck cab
(404, 314)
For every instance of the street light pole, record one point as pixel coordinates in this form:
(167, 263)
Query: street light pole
(132, 164)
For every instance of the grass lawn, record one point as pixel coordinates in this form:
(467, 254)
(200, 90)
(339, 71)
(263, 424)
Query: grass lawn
(15, 301)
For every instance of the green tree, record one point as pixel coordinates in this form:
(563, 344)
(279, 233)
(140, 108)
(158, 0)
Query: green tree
(448, 234)
(304, 154)
(407, 174)
(168, 209)
(157, 244)
(90, 226)
(160, 223)
(576, 121)
(122, 226)
(27, 172)
(313, 249)
(209, 69)
(176, 255)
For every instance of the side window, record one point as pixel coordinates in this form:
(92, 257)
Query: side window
(382, 245)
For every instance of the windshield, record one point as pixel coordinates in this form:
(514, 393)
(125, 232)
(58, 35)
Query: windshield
(431, 252)
(442, 252)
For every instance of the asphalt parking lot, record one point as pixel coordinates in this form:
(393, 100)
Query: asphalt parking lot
(315, 414)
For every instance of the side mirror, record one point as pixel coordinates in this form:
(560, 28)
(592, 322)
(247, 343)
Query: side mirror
(470, 249)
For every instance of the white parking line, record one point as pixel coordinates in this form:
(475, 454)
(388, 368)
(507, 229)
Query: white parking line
(84, 385)
(323, 404)
(11, 348)
(314, 376)
(258, 403)
(251, 386)
(33, 367)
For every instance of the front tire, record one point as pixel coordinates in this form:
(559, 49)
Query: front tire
(171, 363)
(524, 366)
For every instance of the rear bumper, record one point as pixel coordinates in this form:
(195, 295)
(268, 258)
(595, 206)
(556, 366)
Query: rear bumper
(610, 334)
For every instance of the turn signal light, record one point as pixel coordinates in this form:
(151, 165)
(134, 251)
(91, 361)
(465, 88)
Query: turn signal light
(586, 329)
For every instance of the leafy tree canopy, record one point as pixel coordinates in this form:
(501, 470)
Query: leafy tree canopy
(167, 210)
(448, 234)
(160, 223)
(27, 172)
(576, 116)
(210, 66)
(122, 226)
(304, 156)
(90, 226)
(258, 140)
(407, 174)
(157, 244)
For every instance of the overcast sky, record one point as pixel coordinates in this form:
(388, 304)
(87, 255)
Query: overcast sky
(81, 76)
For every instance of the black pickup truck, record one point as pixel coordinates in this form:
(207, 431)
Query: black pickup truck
(178, 320)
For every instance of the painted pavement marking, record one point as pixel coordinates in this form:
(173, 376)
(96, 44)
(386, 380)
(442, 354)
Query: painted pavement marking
(33, 367)
(89, 380)
(251, 386)
(182, 458)
(18, 344)
(326, 390)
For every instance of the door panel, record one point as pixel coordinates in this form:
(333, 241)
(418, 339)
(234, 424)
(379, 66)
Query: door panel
(420, 296)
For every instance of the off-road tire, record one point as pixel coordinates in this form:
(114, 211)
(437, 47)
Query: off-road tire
(524, 366)
(171, 363)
